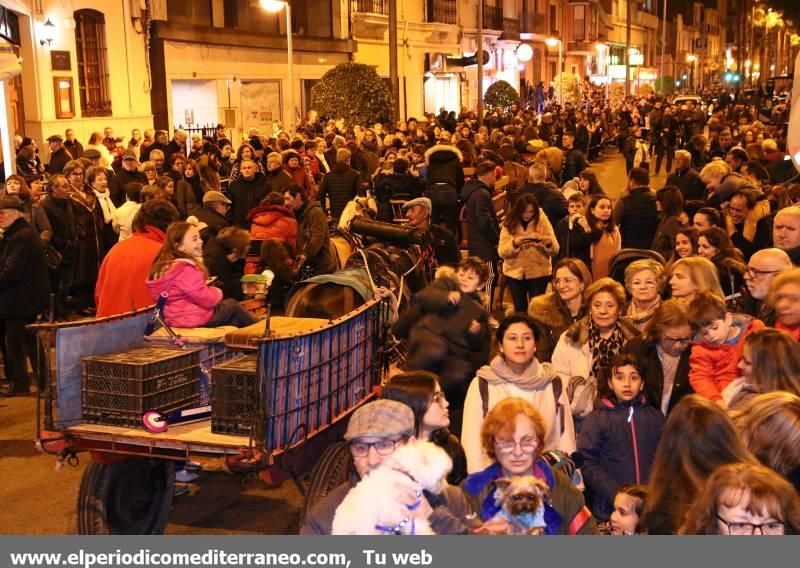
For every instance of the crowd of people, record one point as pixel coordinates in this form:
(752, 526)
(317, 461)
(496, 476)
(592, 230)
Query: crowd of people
(645, 370)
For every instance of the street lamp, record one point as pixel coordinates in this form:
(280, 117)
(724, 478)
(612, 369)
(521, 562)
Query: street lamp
(551, 42)
(273, 7)
(691, 58)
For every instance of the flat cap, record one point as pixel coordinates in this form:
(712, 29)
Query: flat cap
(215, 197)
(10, 202)
(55, 138)
(92, 154)
(381, 419)
(421, 201)
(129, 156)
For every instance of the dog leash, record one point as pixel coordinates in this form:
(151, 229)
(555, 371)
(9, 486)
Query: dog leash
(398, 529)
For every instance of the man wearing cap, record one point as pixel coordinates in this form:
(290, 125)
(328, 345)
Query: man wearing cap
(129, 173)
(441, 241)
(374, 432)
(59, 156)
(213, 214)
(24, 290)
(95, 157)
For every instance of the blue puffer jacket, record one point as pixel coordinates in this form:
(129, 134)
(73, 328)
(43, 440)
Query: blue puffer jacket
(618, 444)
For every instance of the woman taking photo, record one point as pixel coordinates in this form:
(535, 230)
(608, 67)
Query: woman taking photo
(644, 280)
(515, 372)
(669, 202)
(31, 210)
(584, 352)
(420, 391)
(513, 436)
(715, 245)
(552, 313)
(663, 352)
(691, 276)
(527, 243)
(698, 438)
(743, 499)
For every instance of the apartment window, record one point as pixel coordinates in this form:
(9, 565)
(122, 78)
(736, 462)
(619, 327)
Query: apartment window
(195, 12)
(554, 19)
(90, 43)
(579, 23)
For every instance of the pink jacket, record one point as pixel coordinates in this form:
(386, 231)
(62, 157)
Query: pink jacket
(190, 301)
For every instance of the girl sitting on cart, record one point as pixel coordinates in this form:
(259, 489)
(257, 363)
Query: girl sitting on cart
(179, 273)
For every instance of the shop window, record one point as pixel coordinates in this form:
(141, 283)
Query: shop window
(93, 79)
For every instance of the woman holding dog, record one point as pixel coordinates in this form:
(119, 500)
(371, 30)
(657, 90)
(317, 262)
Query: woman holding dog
(513, 436)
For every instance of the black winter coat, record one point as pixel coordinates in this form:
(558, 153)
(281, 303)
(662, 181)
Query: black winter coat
(64, 231)
(637, 217)
(483, 229)
(653, 372)
(229, 273)
(395, 186)
(118, 182)
(24, 279)
(246, 194)
(340, 186)
(550, 199)
(58, 160)
(574, 164)
(688, 181)
(617, 444)
(214, 223)
(444, 166)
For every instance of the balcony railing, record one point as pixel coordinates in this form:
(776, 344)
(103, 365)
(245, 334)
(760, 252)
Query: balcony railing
(533, 23)
(370, 6)
(492, 17)
(442, 11)
(510, 28)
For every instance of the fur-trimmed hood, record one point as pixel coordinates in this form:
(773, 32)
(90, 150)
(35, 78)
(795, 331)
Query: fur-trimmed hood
(578, 332)
(443, 150)
(549, 311)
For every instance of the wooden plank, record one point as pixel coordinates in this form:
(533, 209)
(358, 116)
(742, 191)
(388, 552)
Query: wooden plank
(180, 435)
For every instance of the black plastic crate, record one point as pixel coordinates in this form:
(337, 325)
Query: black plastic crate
(234, 395)
(118, 388)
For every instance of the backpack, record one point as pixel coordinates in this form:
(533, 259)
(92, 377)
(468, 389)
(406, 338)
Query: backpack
(483, 388)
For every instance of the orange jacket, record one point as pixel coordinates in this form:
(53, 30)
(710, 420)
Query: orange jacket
(713, 367)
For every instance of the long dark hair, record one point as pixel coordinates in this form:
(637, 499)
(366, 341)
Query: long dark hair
(720, 240)
(415, 389)
(671, 200)
(515, 216)
(594, 186)
(591, 219)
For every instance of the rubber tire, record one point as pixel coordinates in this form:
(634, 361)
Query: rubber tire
(334, 467)
(105, 486)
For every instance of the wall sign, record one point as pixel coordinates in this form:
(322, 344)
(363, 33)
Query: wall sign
(60, 61)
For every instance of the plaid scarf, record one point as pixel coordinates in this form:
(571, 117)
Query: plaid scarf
(603, 350)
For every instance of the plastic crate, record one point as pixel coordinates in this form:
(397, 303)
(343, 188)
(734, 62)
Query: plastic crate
(234, 395)
(118, 388)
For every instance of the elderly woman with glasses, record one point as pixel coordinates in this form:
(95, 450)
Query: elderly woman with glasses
(513, 436)
(421, 391)
(663, 352)
(644, 280)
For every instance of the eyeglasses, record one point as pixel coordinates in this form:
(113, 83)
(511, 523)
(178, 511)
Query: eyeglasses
(749, 529)
(439, 398)
(754, 272)
(675, 340)
(382, 447)
(527, 445)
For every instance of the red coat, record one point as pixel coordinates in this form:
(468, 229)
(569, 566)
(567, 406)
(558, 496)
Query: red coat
(714, 367)
(121, 283)
(273, 222)
(301, 178)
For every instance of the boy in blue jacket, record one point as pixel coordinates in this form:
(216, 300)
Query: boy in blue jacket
(619, 438)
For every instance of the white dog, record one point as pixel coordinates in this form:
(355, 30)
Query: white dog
(372, 503)
(358, 207)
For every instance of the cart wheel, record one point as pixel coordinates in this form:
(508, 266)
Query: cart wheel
(333, 468)
(128, 497)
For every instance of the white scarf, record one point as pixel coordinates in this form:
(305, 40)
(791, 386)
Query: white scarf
(109, 209)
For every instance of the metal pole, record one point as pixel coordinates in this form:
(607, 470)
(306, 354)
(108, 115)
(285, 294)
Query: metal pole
(663, 46)
(560, 73)
(479, 56)
(290, 86)
(393, 59)
(629, 5)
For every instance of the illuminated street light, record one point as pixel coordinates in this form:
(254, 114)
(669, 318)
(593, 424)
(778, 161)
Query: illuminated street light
(273, 7)
(551, 42)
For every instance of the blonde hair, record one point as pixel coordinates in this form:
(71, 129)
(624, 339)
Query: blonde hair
(769, 425)
(714, 169)
(605, 285)
(732, 485)
(702, 272)
(786, 277)
(645, 264)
